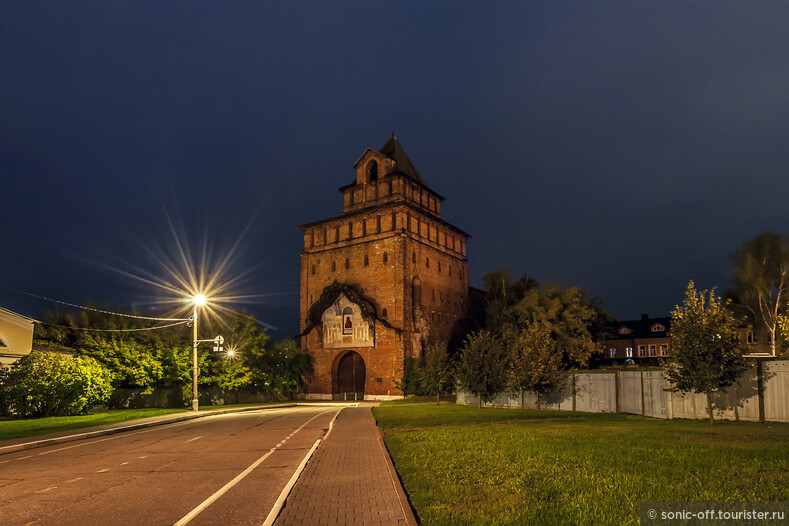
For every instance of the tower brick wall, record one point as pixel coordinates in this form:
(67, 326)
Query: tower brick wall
(390, 248)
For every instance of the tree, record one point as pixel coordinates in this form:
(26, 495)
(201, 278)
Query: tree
(761, 281)
(783, 328)
(483, 366)
(535, 363)
(707, 352)
(435, 374)
(574, 322)
(149, 360)
(51, 384)
(131, 363)
(502, 295)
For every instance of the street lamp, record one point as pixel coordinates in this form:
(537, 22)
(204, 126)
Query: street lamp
(199, 300)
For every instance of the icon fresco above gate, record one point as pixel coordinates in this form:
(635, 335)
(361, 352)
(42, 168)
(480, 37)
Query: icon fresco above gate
(344, 326)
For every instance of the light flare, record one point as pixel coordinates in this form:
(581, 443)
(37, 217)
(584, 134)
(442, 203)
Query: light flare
(210, 277)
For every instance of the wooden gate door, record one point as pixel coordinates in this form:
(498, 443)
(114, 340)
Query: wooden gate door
(350, 377)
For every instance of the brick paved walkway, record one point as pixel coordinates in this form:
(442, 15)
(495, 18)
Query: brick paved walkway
(349, 479)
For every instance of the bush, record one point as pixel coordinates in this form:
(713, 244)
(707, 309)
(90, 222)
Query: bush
(411, 382)
(50, 384)
(5, 402)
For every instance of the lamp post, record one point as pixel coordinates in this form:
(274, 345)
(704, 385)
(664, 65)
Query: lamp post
(199, 300)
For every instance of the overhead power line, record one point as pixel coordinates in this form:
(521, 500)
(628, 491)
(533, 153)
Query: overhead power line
(114, 330)
(83, 307)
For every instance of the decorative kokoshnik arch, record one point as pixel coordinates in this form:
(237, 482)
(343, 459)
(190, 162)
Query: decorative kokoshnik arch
(346, 319)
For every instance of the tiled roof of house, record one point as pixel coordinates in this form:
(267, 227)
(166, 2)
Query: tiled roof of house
(641, 328)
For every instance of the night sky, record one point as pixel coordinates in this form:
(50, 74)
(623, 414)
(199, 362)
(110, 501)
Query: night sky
(625, 147)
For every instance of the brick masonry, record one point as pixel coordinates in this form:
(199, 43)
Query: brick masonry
(392, 247)
(349, 480)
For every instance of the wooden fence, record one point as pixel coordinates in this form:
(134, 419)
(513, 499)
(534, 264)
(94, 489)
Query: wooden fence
(647, 392)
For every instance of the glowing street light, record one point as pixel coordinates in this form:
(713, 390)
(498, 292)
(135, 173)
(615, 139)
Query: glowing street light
(200, 300)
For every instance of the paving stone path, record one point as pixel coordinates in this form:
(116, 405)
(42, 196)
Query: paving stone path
(349, 479)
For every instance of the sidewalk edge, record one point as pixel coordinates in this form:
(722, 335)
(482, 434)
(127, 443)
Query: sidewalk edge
(405, 502)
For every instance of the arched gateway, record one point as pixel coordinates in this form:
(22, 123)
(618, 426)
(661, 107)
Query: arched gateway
(349, 377)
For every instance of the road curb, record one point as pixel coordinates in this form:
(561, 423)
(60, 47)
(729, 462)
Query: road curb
(14, 448)
(273, 514)
(405, 502)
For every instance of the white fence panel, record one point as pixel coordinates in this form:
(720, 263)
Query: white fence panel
(559, 401)
(655, 394)
(741, 402)
(465, 397)
(688, 405)
(648, 392)
(595, 392)
(630, 392)
(776, 391)
(506, 399)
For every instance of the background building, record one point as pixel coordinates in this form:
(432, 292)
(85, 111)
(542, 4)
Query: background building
(643, 341)
(380, 281)
(16, 336)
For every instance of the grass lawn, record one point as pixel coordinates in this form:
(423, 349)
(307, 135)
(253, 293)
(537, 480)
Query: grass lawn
(420, 400)
(16, 428)
(464, 465)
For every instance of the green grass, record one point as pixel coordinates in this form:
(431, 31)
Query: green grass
(419, 400)
(463, 465)
(17, 428)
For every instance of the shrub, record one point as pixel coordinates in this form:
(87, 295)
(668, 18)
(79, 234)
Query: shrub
(50, 384)
(5, 402)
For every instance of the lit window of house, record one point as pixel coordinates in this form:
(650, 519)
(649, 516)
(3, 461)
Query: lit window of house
(628, 352)
(652, 350)
(663, 349)
(613, 353)
(658, 328)
(751, 339)
(624, 330)
(642, 351)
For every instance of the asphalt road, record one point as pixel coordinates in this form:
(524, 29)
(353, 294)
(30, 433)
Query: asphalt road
(163, 475)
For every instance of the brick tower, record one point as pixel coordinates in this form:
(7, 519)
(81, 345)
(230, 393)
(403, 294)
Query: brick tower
(380, 281)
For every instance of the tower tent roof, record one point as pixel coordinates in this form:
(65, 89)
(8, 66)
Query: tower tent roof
(394, 151)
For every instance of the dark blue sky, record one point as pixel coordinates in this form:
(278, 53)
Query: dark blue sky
(625, 147)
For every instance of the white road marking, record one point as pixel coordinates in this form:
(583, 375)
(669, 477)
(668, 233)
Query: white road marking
(46, 489)
(23, 458)
(124, 463)
(144, 456)
(274, 513)
(103, 470)
(210, 500)
(193, 439)
(73, 480)
(128, 434)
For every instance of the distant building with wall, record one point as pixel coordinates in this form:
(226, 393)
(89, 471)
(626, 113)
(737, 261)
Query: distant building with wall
(380, 281)
(642, 342)
(646, 340)
(16, 337)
